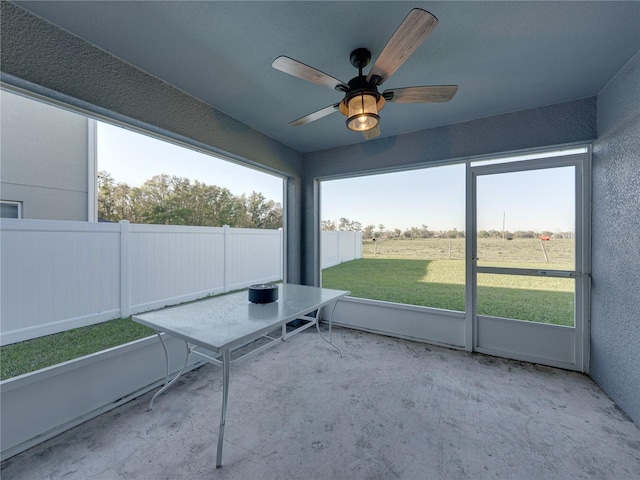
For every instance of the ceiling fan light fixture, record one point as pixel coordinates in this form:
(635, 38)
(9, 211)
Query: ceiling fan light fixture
(362, 102)
(362, 112)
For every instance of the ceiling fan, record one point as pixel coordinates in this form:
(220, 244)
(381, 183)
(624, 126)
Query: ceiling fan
(362, 102)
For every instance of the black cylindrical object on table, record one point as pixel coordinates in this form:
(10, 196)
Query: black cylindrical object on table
(263, 293)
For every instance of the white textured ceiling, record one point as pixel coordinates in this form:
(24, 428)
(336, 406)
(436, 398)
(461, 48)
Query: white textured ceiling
(505, 56)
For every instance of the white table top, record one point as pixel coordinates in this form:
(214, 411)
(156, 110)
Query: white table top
(225, 321)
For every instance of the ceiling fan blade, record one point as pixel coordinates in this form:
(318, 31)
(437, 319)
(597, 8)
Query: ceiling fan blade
(372, 133)
(315, 115)
(305, 72)
(410, 34)
(431, 94)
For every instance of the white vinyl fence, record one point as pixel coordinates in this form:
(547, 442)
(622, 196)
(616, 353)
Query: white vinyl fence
(58, 275)
(338, 247)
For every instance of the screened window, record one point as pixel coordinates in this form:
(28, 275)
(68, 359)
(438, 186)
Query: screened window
(413, 239)
(58, 164)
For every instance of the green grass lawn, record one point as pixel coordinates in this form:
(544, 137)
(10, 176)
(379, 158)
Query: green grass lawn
(397, 273)
(31, 355)
(400, 281)
(519, 252)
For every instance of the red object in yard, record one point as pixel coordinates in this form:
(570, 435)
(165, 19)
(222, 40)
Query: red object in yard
(544, 237)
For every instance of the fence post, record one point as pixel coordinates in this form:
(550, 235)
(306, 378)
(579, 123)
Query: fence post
(281, 237)
(227, 257)
(354, 237)
(125, 270)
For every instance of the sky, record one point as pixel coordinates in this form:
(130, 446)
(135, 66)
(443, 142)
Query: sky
(133, 158)
(533, 200)
(432, 197)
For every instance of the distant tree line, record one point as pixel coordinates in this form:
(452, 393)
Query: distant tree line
(522, 234)
(172, 200)
(342, 225)
(371, 231)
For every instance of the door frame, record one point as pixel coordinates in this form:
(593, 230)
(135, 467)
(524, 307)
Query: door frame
(575, 340)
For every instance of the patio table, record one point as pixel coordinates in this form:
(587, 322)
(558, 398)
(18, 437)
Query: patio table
(214, 327)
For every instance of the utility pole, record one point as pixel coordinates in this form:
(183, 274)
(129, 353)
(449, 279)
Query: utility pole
(503, 216)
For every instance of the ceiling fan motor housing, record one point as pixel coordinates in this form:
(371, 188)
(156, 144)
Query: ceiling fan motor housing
(360, 58)
(361, 104)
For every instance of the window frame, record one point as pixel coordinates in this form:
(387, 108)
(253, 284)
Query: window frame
(14, 203)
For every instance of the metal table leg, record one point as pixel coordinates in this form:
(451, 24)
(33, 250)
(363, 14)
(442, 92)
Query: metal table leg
(330, 341)
(168, 383)
(226, 361)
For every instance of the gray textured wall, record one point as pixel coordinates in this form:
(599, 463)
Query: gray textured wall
(43, 159)
(537, 127)
(615, 315)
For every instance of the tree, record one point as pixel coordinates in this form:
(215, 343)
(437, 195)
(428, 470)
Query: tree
(328, 225)
(262, 213)
(412, 233)
(117, 201)
(155, 200)
(367, 233)
(523, 234)
(174, 200)
(346, 225)
(105, 195)
(424, 232)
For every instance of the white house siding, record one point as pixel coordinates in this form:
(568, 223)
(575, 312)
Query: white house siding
(43, 159)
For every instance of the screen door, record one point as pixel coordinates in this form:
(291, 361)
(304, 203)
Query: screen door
(528, 266)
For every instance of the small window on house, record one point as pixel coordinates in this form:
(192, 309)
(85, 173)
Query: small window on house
(10, 209)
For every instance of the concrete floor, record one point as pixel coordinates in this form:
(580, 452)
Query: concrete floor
(389, 409)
